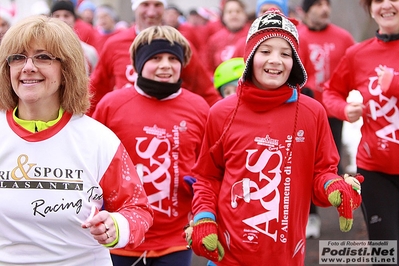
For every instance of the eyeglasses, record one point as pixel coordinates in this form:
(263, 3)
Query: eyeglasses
(39, 60)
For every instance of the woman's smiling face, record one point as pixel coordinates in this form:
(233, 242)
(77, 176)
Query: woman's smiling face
(385, 13)
(36, 85)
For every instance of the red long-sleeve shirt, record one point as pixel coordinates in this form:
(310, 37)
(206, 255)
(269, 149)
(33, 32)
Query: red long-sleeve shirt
(164, 145)
(258, 181)
(379, 144)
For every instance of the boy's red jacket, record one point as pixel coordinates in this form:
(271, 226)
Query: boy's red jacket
(260, 176)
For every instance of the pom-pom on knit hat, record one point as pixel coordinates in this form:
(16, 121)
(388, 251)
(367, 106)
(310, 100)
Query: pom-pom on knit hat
(274, 24)
(282, 4)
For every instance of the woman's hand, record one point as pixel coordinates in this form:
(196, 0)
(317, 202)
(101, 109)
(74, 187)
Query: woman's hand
(101, 226)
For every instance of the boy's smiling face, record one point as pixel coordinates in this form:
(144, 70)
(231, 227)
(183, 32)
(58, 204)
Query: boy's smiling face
(272, 64)
(164, 67)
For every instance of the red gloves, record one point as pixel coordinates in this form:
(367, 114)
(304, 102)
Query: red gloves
(205, 241)
(344, 193)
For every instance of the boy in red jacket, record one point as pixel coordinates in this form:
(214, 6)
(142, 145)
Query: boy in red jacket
(266, 153)
(162, 126)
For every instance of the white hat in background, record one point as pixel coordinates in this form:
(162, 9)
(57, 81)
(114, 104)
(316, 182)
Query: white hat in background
(40, 8)
(136, 3)
(6, 15)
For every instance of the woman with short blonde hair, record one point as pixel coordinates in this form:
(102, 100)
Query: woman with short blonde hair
(74, 93)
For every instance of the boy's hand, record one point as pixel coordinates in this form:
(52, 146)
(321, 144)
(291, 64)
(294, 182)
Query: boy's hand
(205, 241)
(346, 197)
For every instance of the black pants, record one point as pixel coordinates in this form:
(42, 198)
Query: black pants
(380, 206)
(336, 129)
(181, 258)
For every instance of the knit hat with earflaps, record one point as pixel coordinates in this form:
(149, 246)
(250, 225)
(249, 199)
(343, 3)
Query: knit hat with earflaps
(274, 24)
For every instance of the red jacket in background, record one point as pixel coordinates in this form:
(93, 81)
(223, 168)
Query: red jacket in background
(85, 32)
(320, 53)
(224, 45)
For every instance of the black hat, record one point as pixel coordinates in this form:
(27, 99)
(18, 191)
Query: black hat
(63, 5)
(308, 3)
(147, 50)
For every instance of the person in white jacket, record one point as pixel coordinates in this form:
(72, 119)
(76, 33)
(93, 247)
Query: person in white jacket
(68, 188)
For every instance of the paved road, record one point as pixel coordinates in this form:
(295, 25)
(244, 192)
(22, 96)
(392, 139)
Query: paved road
(329, 231)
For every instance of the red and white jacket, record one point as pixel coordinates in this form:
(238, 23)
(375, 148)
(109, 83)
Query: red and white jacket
(49, 182)
(258, 172)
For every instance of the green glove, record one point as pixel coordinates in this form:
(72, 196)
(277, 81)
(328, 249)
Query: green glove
(345, 197)
(205, 241)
